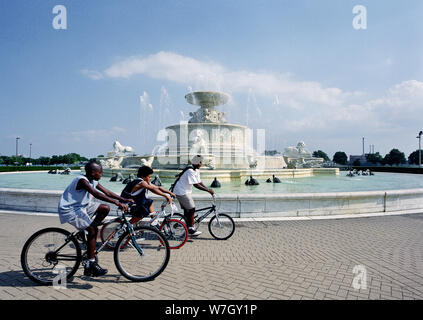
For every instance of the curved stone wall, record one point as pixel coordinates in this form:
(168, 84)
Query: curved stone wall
(251, 205)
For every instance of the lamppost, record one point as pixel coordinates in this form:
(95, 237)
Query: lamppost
(17, 139)
(363, 146)
(30, 152)
(420, 147)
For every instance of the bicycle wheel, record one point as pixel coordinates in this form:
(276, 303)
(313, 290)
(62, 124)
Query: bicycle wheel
(176, 233)
(148, 265)
(181, 217)
(221, 226)
(49, 252)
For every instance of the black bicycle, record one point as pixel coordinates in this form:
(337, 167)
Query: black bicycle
(141, 253)
(221, 226)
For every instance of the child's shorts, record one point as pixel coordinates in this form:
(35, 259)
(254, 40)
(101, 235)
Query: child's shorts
(141, 208)
(83, 217)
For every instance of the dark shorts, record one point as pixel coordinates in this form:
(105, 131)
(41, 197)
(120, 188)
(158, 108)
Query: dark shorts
(141, 208)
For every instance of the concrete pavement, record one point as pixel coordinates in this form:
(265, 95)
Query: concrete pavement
(361, 258)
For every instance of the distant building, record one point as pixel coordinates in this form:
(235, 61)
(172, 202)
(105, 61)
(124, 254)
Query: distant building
(362, 158)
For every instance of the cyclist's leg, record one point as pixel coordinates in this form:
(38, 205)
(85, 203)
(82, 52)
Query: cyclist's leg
(138, 217)
(135, 220)
(187, 204)
(101, 212)
(189, 217)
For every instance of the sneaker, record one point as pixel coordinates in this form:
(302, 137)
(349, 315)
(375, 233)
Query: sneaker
(94, 270)
(193, 233)
(152, 215)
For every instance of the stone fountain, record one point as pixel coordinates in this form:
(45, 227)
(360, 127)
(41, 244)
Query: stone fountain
(223, 145)
(227, 148)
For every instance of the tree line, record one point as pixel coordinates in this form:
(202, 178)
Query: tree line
(70, 158)
(394, 157)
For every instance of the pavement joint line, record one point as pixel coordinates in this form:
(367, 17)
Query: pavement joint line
(258, 219)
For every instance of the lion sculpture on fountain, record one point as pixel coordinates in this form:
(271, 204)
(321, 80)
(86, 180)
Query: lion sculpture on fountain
(297, 152)
(120, 149)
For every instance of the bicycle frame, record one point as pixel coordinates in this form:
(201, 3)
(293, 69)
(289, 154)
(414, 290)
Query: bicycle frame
(211, 209)
(123, 220)
(205, 215)
(130, 229)
(162, 214)
(65, 257)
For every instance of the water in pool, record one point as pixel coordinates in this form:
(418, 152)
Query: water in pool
(320, 183)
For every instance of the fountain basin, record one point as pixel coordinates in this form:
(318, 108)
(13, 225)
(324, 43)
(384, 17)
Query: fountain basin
(253, 201)
(233, 174)
(252, 205)
(207, 99)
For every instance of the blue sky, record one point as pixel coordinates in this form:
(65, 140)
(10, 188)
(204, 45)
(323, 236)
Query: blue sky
(298, 69)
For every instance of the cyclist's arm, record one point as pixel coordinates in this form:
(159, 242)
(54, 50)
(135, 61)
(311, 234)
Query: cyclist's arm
(83, 184)
(166, 191)
(153, 189)
(202, 187)
(111, 194)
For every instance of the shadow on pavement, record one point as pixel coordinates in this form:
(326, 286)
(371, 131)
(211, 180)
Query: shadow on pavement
(19, 279)
(108, 278)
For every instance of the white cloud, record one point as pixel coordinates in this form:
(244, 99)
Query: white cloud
(403, 99)
(165, 65)
(92, 74)
(212, 76)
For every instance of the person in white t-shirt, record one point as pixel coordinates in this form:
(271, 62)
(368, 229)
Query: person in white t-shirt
(183, 192)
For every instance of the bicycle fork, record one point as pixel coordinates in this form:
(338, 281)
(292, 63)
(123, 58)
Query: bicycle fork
(217, 218)
(133, 240)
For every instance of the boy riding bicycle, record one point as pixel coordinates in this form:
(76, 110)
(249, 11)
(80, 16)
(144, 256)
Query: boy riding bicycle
(138, 191)
(76, 206)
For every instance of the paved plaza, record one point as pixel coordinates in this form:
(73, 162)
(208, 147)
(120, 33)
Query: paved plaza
(292, 259)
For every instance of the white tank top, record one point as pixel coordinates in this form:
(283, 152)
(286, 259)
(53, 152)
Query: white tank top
(73, 199)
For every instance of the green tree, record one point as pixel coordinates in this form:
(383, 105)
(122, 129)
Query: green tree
(26, 160)
(413, 158)
(321, 154)
(340, 157)
(55, 159)
(17, 161)
(374, 158)
(7, 160)
(394, 157)
(44, 161)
